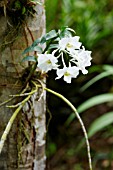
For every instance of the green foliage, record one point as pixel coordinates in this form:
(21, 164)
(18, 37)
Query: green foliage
(105, 71)
(100, 123)
(93, 101)
(49, 38)
(96, 78)
(91, 19)
(34, 47)
(52, 12)
(29, 58)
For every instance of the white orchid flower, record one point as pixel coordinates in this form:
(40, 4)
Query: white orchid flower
(69, 43)
(47, 62)
(82, 58)
(68, 73)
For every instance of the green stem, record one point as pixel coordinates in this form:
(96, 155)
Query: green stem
(80, 120)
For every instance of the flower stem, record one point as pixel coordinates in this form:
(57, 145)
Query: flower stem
(80, 120)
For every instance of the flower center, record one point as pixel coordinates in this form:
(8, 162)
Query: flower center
(48, 61)
(69, 45)
(66, 74)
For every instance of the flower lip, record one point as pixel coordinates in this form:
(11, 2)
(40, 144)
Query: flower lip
(68, 73)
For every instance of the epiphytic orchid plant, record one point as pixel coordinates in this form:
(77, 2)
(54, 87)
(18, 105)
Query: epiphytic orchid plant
(63, 53)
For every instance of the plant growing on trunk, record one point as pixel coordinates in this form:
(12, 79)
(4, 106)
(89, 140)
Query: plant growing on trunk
(64, 54)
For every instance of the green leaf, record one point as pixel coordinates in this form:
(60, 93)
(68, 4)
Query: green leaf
(50, 35)
(27, 50)
(108, 67)
(53, 46)
(95, 68)
(100, 123)
(36, 42)
(31, 48)
(70, 119)
(29, 58)
(43, 40)
(96, 100)
(95, 79)
(71, 30)
(64, 33)
(38, 49)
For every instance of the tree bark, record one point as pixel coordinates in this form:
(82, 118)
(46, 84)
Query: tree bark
(25, 145)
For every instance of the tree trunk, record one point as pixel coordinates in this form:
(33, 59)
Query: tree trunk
(24, 148)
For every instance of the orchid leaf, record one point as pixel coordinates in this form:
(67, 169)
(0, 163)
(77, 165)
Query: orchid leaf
(29, 58)
(53, 46)
(27, 50)
(38, 49)
(36, 42)
(48, 36)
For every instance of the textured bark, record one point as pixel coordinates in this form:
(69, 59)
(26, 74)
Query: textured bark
(25, 145)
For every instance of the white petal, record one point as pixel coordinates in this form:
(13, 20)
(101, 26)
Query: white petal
(84, 71)
(62, 43)
(60, 73)
(67, 79)
(74, 71)
(42, 58)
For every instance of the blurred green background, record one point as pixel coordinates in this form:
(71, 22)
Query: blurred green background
(92, 94)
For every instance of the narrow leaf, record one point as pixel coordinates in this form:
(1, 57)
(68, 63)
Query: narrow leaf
(27, 50)
(100, 123)
(99, 99)
(96, 100)
(53, 46)
(71, 30)
(48, 36)
(31, 48)
(29, 58)
(108, 67)
(36, 42)
(38, 49)
(51, 34)
(95, 79)
(43, 40)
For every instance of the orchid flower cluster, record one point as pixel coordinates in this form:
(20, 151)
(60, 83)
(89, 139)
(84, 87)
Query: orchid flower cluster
(64, 54)
(79, 59)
